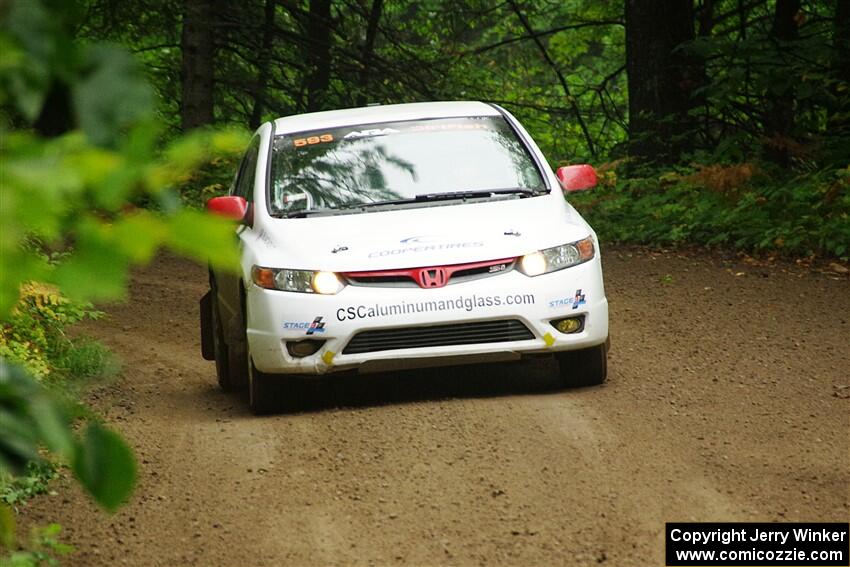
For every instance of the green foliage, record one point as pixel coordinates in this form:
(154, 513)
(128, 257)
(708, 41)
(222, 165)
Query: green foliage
(85, 359)
(34, 334)
(61, 188)
(81, 148)
(750, 75)
(34, 481)
(71, 192)
(476, 49)
(108, 90)
(105, 466)
(33, 419)
(209, 180)
(44, 548)
(802, 215)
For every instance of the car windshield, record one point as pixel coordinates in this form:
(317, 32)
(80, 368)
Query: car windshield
(395, 163)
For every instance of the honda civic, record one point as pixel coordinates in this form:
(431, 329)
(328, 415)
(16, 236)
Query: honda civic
(402, 236)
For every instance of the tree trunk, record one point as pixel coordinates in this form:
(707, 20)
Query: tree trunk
(368, 51)
(661, 78)
(705, 19)
(259, 90)
(779, 116)
(841, 40)
(839, 119)
(743, 15)
(198, 51)
(319, 56)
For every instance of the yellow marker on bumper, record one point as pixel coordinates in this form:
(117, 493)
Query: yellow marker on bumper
(328, 357)
(549, 339)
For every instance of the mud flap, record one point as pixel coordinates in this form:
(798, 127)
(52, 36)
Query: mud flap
(207, 340)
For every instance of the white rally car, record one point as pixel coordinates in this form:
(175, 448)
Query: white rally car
(406, 236)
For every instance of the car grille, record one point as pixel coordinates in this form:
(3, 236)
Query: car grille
(438, 335)
(393, 278)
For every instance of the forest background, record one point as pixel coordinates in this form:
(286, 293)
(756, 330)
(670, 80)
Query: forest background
(739, 108)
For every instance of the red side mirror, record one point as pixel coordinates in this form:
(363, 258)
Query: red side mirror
(230, 207)
(576, 177)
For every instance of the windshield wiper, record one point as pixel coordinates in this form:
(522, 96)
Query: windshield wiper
(524, 191)
(427, 197)
(309, 212)
(422, 198)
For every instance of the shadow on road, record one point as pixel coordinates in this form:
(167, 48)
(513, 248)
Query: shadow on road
(349, 390)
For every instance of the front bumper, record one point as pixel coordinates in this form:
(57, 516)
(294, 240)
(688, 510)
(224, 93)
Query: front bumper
(275, 317)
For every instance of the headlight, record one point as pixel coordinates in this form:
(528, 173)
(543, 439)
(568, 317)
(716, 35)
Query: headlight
(533, 264)
(303, 281)
(557, 258)
(326, 283)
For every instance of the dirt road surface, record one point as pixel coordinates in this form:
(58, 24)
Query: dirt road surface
(727, 400)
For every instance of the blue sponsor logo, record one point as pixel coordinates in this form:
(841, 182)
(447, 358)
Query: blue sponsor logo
(578, 299)
(573, 302)
(317, 325)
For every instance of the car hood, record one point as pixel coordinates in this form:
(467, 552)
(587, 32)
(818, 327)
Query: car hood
(412, 237)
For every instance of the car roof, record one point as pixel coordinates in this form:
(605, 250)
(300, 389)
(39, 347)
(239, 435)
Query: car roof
(383, 113)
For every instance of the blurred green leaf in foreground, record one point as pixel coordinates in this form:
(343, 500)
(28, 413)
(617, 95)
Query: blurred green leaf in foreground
(86, 192)
(80, 149)
(32, 420)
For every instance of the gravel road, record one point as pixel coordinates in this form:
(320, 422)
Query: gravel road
(728, 399)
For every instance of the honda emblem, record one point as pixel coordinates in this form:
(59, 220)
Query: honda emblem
(433, 277)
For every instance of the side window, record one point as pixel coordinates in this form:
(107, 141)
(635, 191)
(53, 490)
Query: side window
(247, 171)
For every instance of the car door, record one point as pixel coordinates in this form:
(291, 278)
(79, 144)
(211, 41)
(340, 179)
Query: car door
(228, 283)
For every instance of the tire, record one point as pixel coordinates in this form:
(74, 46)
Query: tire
(222, 362)
(207, 329)
(586, 367)
(230, 367)
(273, 393)
(262, 390)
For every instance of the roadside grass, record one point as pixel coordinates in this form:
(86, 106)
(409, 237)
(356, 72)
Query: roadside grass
(86, 359)
(38, 338)
(81, 365)
(747, 207)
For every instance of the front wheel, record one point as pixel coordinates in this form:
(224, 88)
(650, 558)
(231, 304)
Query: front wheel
(262, 394)
(221, 352)
(586, 367)
(230, 367)
(269, 393)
